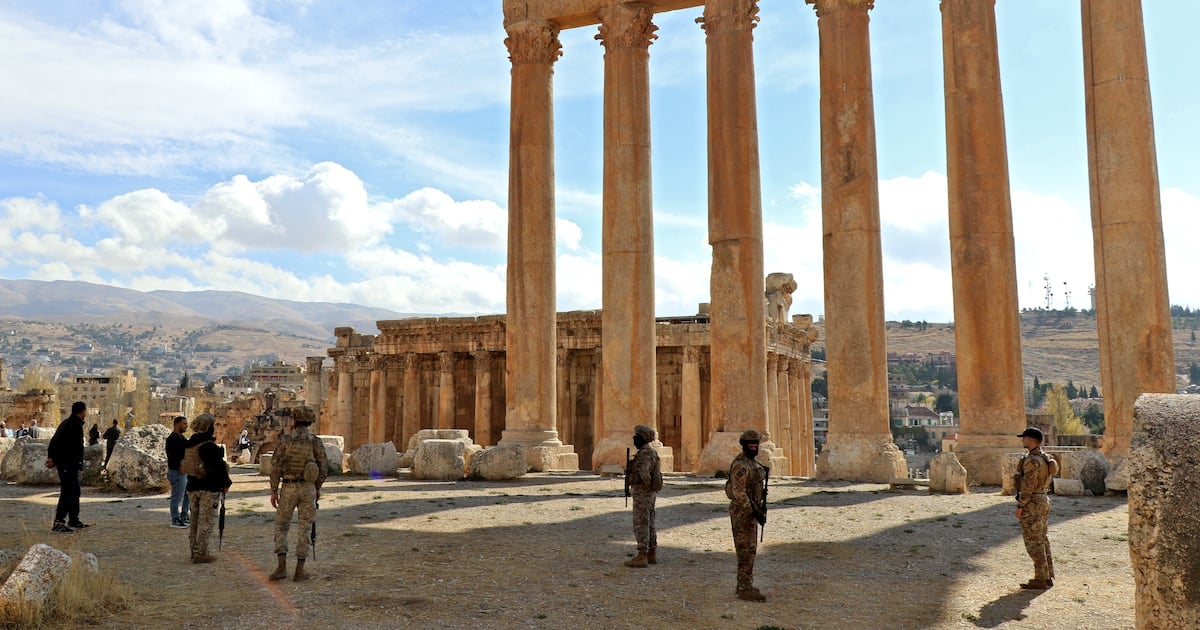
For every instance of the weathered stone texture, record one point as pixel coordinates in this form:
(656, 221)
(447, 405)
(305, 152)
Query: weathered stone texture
(139, 461)
(1089, 467)
(440, 460)
(35, 576)
(375, 459)
(25, 462)
(1068, 487)
(872, 458)
(498, 462)
(1164, 510)
(947, 475)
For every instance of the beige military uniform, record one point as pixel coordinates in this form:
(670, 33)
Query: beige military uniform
(1033, 480)
(293, 452)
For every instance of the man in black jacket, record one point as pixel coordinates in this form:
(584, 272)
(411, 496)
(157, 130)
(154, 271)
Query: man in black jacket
(111, 436)
(65, 453)
(205, 492)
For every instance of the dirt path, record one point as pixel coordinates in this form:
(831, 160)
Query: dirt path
(546, 552)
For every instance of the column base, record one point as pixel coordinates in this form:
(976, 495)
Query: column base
(611, 451)
(543, 450)
(983, 456)
(723, 447)
(869, 458)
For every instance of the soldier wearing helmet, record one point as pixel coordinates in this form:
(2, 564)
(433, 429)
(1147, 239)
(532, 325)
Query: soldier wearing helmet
(744, 487)
(298, 469)
(645, 480)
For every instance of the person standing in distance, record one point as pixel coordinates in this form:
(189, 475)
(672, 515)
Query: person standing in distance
(744, 487)
(644, 483)
(1034, 475)
(65, 454)
(111, 436)
(298, 465)
(205, 492)
(176, 446)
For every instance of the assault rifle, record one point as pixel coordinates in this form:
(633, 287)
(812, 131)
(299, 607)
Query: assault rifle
(766, 482)
(628, 471)
(221, 524)
(312, 535)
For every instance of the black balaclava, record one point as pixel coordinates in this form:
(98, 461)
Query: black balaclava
(639, 441)
(750, 453)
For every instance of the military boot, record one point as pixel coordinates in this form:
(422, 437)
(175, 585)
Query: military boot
(652, 556)
(751, 595)
(1036, 584)
(300, 575)
(638, 562)
(281, 570)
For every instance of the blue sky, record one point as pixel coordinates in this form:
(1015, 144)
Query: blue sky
(357, 152)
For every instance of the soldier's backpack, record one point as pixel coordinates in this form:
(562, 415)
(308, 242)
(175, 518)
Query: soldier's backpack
(1052, 469)
(656, 481)
(729, 483)
(191, 465)
(298, 454)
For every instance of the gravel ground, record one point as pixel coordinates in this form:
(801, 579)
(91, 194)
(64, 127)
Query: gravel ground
(545, 552)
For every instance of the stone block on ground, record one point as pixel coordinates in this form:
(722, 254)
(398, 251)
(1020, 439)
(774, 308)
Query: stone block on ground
(551, 458)
(720, 450)
(379, 459)
(440, 460)
(1164, 510)
(36, 575)
(333, 458)
(469, 452)
(1068, 487)
(264, 463)
(88, 560)
(438, 434)
(947, 475)
(499, 462)
(25, 463)
(1118, 476)
(93, 465)
(1009, 467)
(870, 458)
(333, 440)
(1089, 467)
(406, 459)
(6, 443)
(139, 461)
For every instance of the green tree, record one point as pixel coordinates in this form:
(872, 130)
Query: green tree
(1094, 418)
(35, 377)
(1071, 390)
(944, 402)
(1194, 373)
(820, 385)
(1059, 408)
(183, 382)
(1193, 337)
(1094, 393)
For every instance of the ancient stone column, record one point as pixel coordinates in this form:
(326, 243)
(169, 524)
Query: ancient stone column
(987, 324)
(773, 423)
(377, 404)
(784, 408)
(483, 398)
(445, 417)
(801, 451)
(566, 419)
(738, 351)
(412, 396)
(627, 320)
(1132, 310)
(530, 329)
(690, 435)
(344, 419)
(860, 444)
(314, 393)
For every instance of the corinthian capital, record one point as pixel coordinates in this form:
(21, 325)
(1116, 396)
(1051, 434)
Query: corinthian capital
(627, 25)
(729, 15)
(825, 7)
(533, 41)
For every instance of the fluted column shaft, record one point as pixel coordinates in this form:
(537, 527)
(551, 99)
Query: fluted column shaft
(628, 365)
(412, 396)
(690, 434)
(445, 417)
(1132, 308)
(533, 47)
(483, 398)
(377, 403)
(987, 325)
(784, 410)
(344, 426)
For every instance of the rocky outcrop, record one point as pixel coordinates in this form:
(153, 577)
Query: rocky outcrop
(1164, 510)
(139, 461)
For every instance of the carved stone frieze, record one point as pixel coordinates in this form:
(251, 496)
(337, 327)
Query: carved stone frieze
(533, 42)
(826, 7)
(627, 25)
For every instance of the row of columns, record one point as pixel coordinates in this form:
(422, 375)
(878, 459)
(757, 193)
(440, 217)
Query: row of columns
(1130, 259)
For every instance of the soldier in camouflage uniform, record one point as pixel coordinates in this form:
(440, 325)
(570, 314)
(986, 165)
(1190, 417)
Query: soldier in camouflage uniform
(1033, 507)
(747, 509)
(645, 480)
(298, 465)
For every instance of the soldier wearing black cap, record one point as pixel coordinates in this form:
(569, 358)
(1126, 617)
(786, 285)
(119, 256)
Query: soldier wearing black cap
(645, 480)
(747, 510)
(1034, 475)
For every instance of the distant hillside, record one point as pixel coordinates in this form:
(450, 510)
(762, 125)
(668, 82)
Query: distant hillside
(1055, 346)
(85, 302)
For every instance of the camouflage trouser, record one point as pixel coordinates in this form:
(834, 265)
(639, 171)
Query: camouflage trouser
(204, 518)
(301, 497)
(745, 542)
(1033, 529)
(643, 520)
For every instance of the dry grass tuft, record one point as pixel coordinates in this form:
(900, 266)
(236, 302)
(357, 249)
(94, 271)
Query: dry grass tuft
(80, 597)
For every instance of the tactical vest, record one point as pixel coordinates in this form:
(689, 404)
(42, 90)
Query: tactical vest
(297, 456)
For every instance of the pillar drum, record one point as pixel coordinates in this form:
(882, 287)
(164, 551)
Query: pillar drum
(445, 414)
(530, 325)
(690, 438)
(784, 405)
(344, 418)
(313, 392)
(738, 396)
(987, 325)
(628, 383)
(411, 413)
(483, 398)
(377, 396)
(860, 444)
(1132, 306)
(773, 424)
